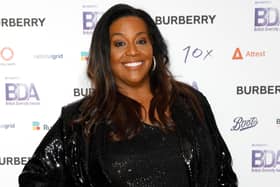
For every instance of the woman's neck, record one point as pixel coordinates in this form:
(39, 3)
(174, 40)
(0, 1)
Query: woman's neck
(142, 95)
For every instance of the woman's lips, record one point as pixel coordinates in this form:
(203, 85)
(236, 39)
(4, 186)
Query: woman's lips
(133, 64)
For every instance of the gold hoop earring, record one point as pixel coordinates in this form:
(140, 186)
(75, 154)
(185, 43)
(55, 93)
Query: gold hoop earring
(154, 64)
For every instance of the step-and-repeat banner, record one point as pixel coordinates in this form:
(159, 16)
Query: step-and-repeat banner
(229, 50)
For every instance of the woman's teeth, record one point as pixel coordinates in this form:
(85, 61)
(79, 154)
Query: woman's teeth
(133, 64)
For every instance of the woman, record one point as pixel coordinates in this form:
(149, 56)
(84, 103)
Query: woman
(140, 127)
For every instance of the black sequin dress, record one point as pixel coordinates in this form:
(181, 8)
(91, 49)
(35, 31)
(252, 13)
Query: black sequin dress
(150, 159)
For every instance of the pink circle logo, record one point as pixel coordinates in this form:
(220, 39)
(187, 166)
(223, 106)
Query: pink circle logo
(7, 53)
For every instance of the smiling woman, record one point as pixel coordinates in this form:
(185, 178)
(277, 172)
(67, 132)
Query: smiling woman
(139, 126)
(131, 55)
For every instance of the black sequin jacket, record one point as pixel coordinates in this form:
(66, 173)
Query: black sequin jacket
(62, 158)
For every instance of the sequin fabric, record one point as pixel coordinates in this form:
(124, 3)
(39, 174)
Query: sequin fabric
(64, 159)
(141, 162)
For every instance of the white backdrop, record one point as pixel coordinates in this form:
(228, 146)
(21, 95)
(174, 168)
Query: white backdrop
(227, 49)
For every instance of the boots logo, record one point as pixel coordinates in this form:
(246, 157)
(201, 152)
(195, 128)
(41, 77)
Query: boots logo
(238, 55)
(241, 124)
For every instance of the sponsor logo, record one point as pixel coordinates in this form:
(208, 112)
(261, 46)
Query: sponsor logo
(241, 124)
(6, 53)
(277, 122)
(195, 53)
(13, 160)
(22, 22)
(78, 92)
(238, 55)
(18, 93)
(258, 90)
(8, 126)
(90, 18)
(84, 56)
(185, 19)
(265, 159)
(36, 126)
(49, 56)
(266, 16)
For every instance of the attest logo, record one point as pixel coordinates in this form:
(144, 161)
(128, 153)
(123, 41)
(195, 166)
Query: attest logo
(21, 94)
(195, 53)
(238, 55)
(265, 160)
(258, 90)
(241, 124)
(6, 53)
(84, 56)
(36, 126)
(185, 19)
(82, 91)
(90, 18)
(22, 22)
(13, 160)
(267, 19)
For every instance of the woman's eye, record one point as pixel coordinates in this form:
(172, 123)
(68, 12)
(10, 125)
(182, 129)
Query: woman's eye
(119, 43)
(141, 41)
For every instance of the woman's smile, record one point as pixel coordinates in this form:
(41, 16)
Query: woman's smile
(131, 52)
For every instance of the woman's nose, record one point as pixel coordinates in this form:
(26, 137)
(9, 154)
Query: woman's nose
(132, 50)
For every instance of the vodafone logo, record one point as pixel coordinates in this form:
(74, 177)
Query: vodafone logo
(6, 53)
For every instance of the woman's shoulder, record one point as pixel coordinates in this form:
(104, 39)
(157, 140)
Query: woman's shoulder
(73, 109)
(75, 105)
(188, 96)
(185, 90)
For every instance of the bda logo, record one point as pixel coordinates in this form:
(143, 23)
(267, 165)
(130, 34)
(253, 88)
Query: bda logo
(90, 20)
(20, 93)
(266, 17)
